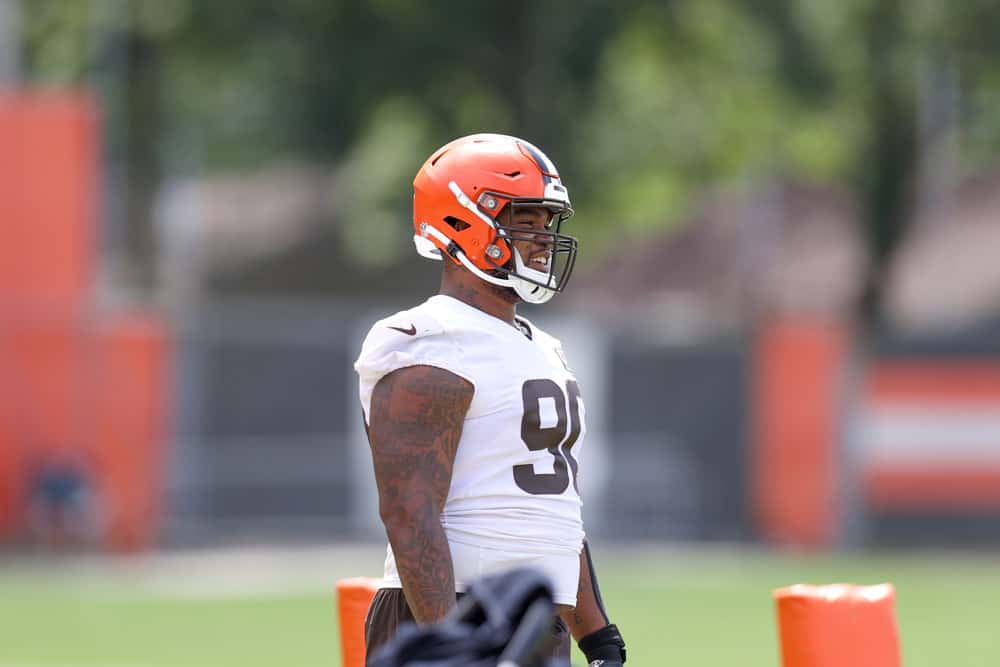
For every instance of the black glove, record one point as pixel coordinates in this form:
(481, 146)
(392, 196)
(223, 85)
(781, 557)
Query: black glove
(604, 647)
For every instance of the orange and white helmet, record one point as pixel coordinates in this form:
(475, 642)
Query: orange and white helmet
(464, 199)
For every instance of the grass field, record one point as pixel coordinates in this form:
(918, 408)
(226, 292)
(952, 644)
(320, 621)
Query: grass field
(266, 607)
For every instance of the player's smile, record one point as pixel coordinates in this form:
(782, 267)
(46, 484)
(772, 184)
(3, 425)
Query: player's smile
(541, 259)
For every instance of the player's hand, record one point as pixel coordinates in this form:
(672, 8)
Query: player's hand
(605, 663)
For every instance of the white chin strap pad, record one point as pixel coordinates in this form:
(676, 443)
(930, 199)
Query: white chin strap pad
(528, 291)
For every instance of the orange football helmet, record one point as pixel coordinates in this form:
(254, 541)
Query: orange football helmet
(464, 193)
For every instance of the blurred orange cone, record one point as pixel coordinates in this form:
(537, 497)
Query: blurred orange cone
(353, 597)
(838, 625)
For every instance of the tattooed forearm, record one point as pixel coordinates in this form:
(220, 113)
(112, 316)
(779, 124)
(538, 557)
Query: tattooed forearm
(588, 615)
(417, 415)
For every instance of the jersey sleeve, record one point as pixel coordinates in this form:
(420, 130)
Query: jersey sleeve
(403, 340)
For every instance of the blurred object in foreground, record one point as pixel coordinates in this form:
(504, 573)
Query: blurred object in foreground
(504, 619)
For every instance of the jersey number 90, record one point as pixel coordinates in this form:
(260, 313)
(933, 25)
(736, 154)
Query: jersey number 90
(558, 439)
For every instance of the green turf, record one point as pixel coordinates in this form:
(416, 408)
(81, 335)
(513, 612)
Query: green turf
(674, 608)
(717, 610)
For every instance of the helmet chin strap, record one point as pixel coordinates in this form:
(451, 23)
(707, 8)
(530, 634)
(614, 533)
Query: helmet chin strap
(529, 292)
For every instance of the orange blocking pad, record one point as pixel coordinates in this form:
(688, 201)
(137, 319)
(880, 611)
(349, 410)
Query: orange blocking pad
(838, 625)
(793, 469)
(49, 187)
(81, 389)
(131, 413)
(354, 595)
(41, 416)
(92, 392)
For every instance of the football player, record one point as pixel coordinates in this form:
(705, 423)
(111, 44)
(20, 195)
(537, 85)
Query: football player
(474, 418)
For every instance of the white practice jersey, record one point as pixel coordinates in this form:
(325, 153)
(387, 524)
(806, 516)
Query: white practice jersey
(513, 499)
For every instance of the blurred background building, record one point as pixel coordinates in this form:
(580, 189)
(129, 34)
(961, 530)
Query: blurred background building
(785, 317)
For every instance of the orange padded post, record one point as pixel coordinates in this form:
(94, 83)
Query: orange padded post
(794, 489)
(838, 625)
(354, 595)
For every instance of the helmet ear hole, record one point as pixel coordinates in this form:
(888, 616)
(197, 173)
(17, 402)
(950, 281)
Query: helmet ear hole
(456, 224)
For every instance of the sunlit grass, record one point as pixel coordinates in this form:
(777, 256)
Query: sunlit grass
(674, 607)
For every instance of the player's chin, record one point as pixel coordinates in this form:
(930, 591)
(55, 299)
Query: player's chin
(507, 294)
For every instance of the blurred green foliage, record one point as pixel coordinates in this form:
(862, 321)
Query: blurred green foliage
(641, 102)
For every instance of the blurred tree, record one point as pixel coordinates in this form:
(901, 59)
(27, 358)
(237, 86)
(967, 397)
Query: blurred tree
(641, 102)
(690, 95)
(858, 58)
(887, 157)
(118, 46)
(869, 59)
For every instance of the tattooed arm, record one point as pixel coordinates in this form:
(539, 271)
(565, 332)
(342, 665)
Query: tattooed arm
(589, 614)
(416, 419)
(588, 622)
